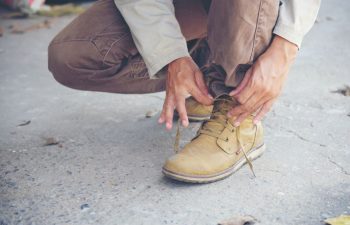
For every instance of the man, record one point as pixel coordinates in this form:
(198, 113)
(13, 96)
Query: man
(234, 54)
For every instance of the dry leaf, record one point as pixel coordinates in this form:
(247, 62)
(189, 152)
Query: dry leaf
(344, 91)
(1, 31)
(340, 220)
(16, 29)
(61, 10)
(15, 15)
(239, 220)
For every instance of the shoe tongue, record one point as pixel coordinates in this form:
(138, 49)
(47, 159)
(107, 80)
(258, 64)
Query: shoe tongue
(223, 104)
(221, 107)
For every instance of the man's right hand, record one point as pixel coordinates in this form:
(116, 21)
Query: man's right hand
(184, 78)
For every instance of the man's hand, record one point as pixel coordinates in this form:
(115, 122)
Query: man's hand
(184, 78)
(263, 82)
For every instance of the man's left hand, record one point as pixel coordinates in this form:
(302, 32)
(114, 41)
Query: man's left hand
(263, 82)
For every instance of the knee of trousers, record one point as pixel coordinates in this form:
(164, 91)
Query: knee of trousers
(72, 63)
(59, 60)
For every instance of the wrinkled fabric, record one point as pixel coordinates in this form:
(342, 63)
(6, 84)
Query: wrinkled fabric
(158, 37)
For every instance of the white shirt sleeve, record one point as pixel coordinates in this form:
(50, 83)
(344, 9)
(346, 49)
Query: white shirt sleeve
(296, 17)
(155, 31)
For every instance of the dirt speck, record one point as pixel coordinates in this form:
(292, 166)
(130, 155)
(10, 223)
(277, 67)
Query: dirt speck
(239, 220)
(24, 123)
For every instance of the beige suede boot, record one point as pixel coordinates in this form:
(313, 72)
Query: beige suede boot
(219, 149)
(196, 111)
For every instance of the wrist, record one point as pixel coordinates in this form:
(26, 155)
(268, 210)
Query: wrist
(180, 60)
(284, 48)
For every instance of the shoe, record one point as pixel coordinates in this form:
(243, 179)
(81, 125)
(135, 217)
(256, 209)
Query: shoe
(196, 111)
(219, 149)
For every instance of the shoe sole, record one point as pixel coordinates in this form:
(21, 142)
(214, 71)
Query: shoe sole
(252, 155)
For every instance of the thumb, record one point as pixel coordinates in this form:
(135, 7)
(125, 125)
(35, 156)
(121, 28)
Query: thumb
(200, 96)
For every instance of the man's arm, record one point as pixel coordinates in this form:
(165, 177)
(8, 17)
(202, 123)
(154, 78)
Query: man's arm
(159, 40)
(263, 82)
(295, 19)
(155, 31)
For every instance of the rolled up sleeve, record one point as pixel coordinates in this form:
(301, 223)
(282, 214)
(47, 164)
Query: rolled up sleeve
(296, 17)
(155, 31)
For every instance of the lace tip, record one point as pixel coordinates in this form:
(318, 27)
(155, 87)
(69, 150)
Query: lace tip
(251, 169)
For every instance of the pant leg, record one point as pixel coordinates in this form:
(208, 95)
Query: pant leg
(239, 31)
(96, 52)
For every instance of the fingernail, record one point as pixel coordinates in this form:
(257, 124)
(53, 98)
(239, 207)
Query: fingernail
(160, 120)
(168, 126)
(211, 97)
(236, 124)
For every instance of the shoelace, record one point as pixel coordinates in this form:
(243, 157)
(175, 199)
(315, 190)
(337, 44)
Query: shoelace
(222, 120)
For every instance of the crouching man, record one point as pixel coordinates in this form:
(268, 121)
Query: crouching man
(231, 56)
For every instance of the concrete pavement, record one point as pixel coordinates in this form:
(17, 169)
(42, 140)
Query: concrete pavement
(106, 168)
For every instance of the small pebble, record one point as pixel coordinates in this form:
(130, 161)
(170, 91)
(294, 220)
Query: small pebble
(51, 141)
(150, 113)
(84, 206)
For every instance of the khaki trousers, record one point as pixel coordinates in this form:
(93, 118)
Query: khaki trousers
(96, 52)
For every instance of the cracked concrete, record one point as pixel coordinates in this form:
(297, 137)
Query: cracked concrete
(106, 167)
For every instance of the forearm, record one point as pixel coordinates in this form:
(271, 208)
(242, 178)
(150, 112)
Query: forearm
(285, 50)
(155, 31)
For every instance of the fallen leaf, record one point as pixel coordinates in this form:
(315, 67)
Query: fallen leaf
(239, 220)
(340, 220)
(51, 141)
(15, 15)
(61, 10)
(24, 123)
(1, 31)
(344, 91)
(16, 29)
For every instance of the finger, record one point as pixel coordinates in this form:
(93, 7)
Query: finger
(251, 105)
(169, 113)
(181, 109)
(162, 117)
(201, 83)
(240, 118)
(162, 114)
(246, 107)
(262, 112)
(200, 97)
(235, 111)
(243, 83)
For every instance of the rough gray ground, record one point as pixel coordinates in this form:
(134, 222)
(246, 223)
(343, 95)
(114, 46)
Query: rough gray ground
(111, 155)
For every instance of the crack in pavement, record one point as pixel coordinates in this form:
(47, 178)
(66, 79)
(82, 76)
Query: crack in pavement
(342, 169)
(304, 139)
